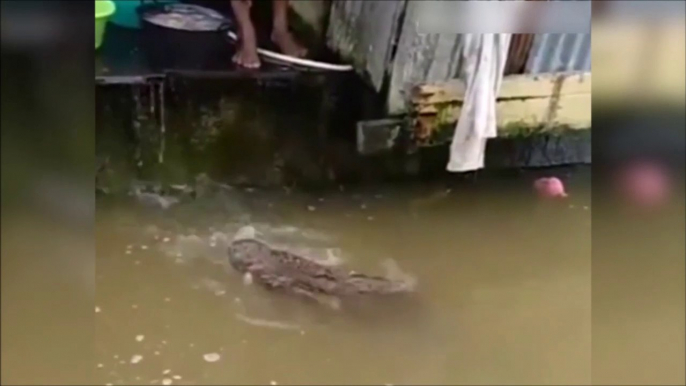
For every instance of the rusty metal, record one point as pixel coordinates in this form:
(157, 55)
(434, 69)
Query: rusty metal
(436, 110)
(518, 54)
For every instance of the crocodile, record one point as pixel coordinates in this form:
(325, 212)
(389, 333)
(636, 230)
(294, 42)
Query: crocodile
(278, 269)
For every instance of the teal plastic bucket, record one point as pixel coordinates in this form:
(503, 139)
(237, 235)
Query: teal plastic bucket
(127, 16)
(103, 11)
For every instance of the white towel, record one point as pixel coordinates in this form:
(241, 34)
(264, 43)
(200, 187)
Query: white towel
(483, 62)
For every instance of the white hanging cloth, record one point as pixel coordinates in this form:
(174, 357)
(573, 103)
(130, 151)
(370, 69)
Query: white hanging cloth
(483, 63)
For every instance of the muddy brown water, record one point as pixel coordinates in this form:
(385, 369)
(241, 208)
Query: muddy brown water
(503, 293)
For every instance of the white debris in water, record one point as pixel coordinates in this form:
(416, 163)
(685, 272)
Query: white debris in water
(211, 357)
(177, 377)
(167, 300)
(167, 381)
(100, 365)
(115, 356)
(370, 218)
(585, 207)
(311, 208)
(220, 293)
(191, 345)
(164, 342)
(157, 353)
(302, 332)
(363, 206)
(247, 278)
(273, 383)
(137, 262)
(167, 371)
(139, 338)
(166, 239)
(128, 252)
(97, 309)
(144, 247)
(267, 323)
(136, 358)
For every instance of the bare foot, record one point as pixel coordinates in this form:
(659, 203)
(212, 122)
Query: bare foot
(246, 56)
(287, 44)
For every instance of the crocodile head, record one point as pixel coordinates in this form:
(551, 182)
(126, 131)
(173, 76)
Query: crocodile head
(245, 232)
(245, 250)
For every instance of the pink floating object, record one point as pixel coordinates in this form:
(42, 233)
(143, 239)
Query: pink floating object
(645, 183)
(550, 187)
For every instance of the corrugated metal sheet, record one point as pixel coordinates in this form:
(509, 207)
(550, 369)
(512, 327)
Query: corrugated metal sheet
(420, 58)
(367, 31)
(560, 53)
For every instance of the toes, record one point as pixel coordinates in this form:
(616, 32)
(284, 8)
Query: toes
(240, 60)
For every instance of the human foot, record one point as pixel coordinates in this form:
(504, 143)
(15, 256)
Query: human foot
(287, 44)
(246, 56)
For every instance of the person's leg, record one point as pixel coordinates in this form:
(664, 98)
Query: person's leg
(246, 55)
(280, 33)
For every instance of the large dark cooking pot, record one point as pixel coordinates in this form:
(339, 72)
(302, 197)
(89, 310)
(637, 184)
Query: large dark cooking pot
(184, 36)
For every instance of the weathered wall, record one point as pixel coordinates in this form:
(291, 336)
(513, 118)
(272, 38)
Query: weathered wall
(364, 33)
(383, 41)
(247, 134)
(527, 104)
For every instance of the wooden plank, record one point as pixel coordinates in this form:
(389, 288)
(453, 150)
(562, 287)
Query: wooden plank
(572, 110)
(410, 51)
(527, 103)
(363, 32)
(513, 87)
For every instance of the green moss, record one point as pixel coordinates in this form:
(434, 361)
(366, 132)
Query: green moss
(522, 129)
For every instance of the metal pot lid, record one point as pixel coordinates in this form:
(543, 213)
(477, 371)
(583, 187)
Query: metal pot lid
(186, 17)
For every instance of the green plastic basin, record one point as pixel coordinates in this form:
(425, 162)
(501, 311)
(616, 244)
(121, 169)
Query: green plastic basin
(104, 9)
